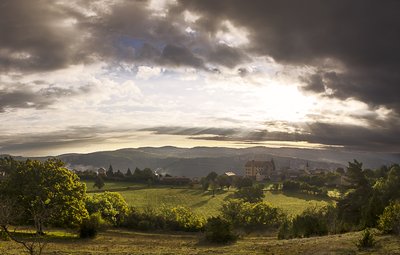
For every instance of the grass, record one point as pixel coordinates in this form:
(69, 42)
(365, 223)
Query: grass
(202, 203)
(112, 186)
(127, 242)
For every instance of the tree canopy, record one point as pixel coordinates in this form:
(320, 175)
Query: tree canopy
(47, 191)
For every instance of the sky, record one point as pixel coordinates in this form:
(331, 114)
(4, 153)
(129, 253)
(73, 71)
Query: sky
(82, 76)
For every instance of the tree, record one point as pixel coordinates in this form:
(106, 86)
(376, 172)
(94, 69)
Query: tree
(355, 175)
(129, 173)
(243, 182)
(119, 174)
(110, 171)
(214, 187)
(353, 208)
(47, 192)
(10, 213)
(389, 221)
(204, 183)
(211, 176)
(250, 194)
(99, 182)
(224, 181)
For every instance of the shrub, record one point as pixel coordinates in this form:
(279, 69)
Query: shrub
(145, 225)
(111, 205)
(181, 218)
(175, 218)
(219, 230)
(4, 236)
(252, 216)
(367, 240)
(90, 227)
(311, 222)
(285, 230)
(389, 221)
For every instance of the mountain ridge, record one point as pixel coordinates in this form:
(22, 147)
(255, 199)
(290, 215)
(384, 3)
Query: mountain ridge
(198, 161)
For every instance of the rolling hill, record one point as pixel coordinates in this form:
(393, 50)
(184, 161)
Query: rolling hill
(199, 161)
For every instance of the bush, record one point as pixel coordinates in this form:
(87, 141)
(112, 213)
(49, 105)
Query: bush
(252, 216)
(389, 221)
(90, 227)
(175, 218)
(111, 205)
(310, 223)
(285, 230)
(218, 230)
(4, 236)
(145, 225)
(367, 240)
(181, 218)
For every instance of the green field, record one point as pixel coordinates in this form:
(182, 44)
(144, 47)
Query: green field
(112, 185)
(129, 242)
(203, 203)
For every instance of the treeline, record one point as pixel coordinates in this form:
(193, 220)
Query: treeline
(138, 175)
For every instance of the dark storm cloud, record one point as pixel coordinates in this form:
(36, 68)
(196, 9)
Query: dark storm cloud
(24, 97)
(33, 37)
(362, 35)
(131, 32)
(180, 56)
(227, 56)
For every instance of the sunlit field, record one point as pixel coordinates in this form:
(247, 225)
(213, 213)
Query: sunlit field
(202, 202)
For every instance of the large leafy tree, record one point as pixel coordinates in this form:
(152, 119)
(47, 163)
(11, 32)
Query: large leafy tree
(47, 192)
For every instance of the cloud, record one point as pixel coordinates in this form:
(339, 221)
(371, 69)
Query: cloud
(22, 96)
(146, 72)
(190, 131)
(50, 140)
(379, 138)
(69, 137)
(180, 56)
(352, 45)
(36, 35)
(227, 56)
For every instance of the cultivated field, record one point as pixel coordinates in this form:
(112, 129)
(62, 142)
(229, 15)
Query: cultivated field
(203, 203)
(127, 242)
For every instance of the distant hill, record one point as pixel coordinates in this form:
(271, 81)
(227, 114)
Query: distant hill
(199, 161)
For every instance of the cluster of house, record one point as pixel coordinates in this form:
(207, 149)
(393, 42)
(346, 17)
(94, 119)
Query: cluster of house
(255, 169)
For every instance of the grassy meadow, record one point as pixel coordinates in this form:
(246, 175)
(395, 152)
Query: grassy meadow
(129, 242)
(201, 202)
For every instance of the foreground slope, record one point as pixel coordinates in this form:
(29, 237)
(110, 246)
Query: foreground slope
(126, 242)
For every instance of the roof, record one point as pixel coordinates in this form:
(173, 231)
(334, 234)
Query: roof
(230, 173)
